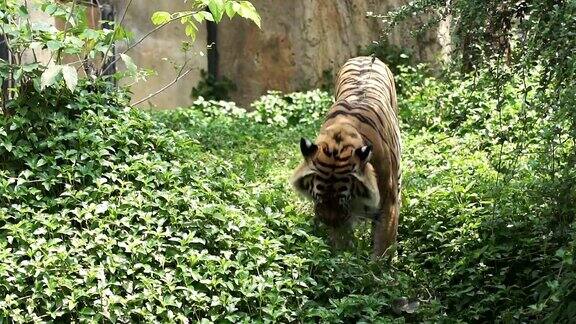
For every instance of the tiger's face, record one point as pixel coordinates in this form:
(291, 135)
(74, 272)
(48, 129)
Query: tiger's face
(337, 175)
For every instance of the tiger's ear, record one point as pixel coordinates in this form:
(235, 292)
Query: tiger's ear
(307, 148)
(364, 153)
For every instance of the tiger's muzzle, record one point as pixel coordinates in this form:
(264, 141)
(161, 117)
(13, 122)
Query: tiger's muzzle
(332, 214)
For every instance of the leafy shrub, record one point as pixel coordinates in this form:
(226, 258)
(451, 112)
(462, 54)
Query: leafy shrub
(482, 257)
(108, 214)
(114, 214)
(515, 52)
(214, 108)
(211, 88)
(513, 117)
(291, 109)
(515, 203)
(274, 108)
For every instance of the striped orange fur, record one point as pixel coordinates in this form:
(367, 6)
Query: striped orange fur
(352, 169)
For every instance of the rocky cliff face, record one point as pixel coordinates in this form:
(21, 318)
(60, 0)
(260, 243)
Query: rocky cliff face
(301, 40)
(299, 44)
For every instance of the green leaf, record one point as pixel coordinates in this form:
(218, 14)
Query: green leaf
(203, 15)
(132, 68)
(54, 45)
(8, 146)
(102, 208)
(23, 11)
(90, 34)
(40, 231)
(70, 77)
(30, 67)
(230, 12)
(18, 74)
(161, 17)
(217, 8)
(121, 33)
(208, 16)
(191, 30)
(49, 76)
(248, 11)
(198, 16)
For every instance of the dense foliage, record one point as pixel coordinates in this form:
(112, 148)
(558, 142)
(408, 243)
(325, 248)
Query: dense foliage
(79, 47)
(520, 51)
(109, 213)
(510, 226)
(213, 88)
(113, 213)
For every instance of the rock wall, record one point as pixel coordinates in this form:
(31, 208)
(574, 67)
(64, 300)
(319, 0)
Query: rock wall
(301, 40)
(299, 43)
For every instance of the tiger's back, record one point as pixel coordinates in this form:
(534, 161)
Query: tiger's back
(367, 79)
(365, 91)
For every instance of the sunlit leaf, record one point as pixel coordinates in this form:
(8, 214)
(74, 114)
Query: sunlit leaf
(132, 68)
(191, 30)
(229, 8)
(161, 17)
(203, 15)
(49, 76)
(216, 9)
(54, 45)
(247, 10)
(70, 76)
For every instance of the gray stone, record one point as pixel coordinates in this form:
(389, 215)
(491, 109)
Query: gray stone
(300, 40)
(299, 43)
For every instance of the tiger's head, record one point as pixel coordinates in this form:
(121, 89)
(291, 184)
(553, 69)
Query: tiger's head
(337, 175)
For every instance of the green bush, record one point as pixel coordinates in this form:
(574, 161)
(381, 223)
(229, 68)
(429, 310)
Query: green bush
(109, 214)
(210, 87)
(114, 214)
(517, 242)
(299, 108)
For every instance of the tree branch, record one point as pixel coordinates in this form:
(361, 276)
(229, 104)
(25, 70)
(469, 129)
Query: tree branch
(178, 77)
(102, 63)
(65, 34)
(151, 32)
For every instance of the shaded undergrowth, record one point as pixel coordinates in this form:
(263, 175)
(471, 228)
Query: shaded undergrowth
(117, 214)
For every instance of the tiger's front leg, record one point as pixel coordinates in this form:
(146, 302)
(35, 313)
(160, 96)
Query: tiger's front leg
(385, 229)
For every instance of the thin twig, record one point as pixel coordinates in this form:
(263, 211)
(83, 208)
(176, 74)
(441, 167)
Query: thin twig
(102, 63)
(6, 40)
(65, 33)
(178, 77)
(520, 146)
(149, 33)
(30, 27)
(6, 91)
(499, 104)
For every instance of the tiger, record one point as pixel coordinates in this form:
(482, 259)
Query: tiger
(352, 170)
